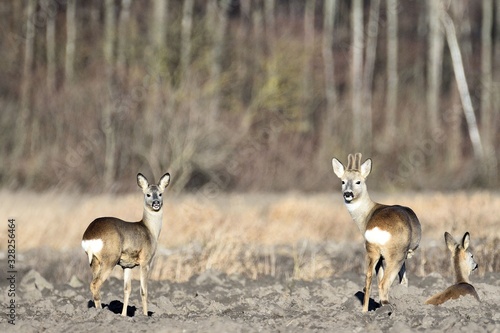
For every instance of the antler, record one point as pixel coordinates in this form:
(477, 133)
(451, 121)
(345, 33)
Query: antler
(350, 162)
(357, 161)
(354, 162)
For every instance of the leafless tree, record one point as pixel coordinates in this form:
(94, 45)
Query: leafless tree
(357, 73)
(187, 26)
(434, 64)
(307, 75)
(270, 12)
(123, 35)
(392, 66)
(29, 50)
(220, 22)
(107, 123)
(369, 68)
(487, 119)
(69, 64)
(458, 69)
(328, 63)
(50, 41)
(496, 79)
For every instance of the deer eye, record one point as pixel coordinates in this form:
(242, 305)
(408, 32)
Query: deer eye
(159, 194)
(343, 182)
(358, 182)
(148, 195)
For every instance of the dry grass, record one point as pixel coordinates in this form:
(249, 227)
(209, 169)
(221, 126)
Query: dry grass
(292, 235)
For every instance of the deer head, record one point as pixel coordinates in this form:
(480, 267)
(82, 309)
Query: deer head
(353, 177)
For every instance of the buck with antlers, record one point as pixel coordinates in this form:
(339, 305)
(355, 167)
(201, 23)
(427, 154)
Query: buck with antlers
(463, 263)
(392, 233)
(109, 241)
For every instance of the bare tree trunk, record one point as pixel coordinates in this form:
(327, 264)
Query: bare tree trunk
(246, 57)
(187, 26)
(159, 30)
(69, 68)
(462, 86)
(269, 8)
(307, 75)
(392, 66)
(453, 129)
(155, 109)
(51, 47)
(487, 120)
(221, 21)
(370, 56)
(329, 72)
(108, 126)
(434, 67)
(29, 47)
(258, 38)
(460, 13)
(496, 87)
(123, 40)
(357, 73)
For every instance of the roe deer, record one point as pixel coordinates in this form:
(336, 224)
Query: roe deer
(109, 241)
(463, 263)
(391, 233)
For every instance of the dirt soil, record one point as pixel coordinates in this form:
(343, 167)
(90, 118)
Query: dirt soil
(215, 302)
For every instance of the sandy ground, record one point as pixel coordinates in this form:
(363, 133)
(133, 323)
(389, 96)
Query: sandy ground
(246, 263)
(215, 302)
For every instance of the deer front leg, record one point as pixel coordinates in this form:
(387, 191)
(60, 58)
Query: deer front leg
(144, 288)
(127, 287)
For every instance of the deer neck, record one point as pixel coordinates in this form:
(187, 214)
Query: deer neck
(153, 221)
(360, 209)
(461, 274)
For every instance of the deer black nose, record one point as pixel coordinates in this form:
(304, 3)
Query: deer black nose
(348, 196)
(156, 204)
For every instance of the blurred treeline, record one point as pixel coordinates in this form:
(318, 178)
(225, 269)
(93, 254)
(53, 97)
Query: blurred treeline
(248, 94)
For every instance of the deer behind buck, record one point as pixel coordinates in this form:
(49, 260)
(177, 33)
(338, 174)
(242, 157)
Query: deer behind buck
(391, 233)
(463, 263)
(109, 241)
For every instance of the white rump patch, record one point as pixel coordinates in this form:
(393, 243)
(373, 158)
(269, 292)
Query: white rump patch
(92, 246)
(377, 236)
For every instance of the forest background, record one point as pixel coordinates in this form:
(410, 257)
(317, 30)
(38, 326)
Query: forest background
(248, 95)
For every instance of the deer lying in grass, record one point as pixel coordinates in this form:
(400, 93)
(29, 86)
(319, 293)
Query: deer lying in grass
(464, 264)
(109, 241)
(392, 233)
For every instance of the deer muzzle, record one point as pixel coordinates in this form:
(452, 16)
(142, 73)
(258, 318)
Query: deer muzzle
(348, 196)
(156, 205)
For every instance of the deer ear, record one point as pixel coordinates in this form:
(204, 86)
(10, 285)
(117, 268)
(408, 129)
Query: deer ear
(142, 181)
(164, 181)
(366, 168)
(450, 241)
(466, 241)
(338, 167)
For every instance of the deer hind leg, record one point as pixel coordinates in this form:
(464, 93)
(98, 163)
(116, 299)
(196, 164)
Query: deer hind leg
(402, 275)
(100, 272)
(394, 266)
(127, 287)
(144, 288)
(379, 269)
(372, 259)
